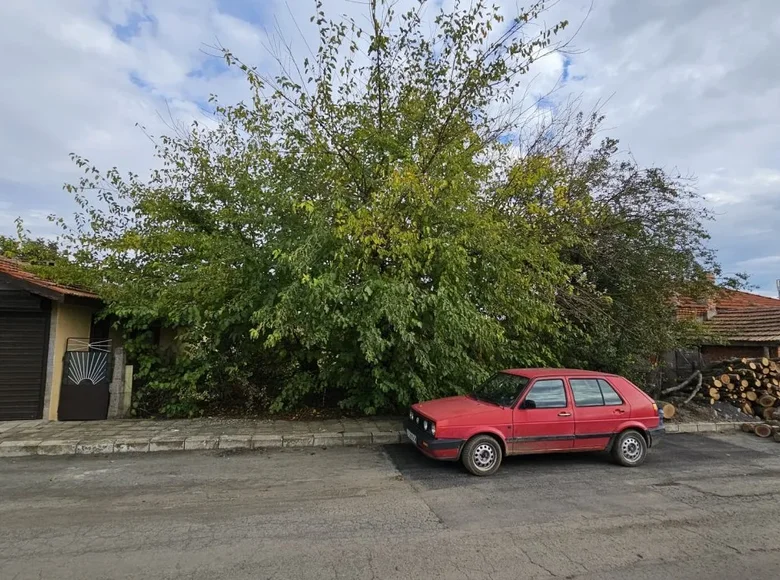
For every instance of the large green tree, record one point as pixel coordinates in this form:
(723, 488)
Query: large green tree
(636, 241)
(363, 231)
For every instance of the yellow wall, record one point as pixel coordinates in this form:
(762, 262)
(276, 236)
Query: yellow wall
(69, 322)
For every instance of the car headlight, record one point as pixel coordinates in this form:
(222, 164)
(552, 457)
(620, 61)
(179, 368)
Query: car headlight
(433, 429)
(425, 425)
(411, 415)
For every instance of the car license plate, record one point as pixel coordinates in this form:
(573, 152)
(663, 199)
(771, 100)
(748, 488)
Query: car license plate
(412, 437)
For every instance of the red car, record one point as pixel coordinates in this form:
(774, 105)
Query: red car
(538, 411)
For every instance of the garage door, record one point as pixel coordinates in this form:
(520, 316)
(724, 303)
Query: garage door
(23, 344)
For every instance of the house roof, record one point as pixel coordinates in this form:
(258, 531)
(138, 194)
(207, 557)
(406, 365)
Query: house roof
(756, 324)
(13, 271)
(725, 300)
(732, 299)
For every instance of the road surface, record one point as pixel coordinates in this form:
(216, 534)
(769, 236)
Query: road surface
(701, 507)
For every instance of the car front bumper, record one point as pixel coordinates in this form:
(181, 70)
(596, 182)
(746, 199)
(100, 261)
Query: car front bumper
(444, 449)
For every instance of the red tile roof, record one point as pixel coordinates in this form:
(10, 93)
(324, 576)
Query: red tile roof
(756, 324)
(11, 269)
(732, 299)
(725, 300)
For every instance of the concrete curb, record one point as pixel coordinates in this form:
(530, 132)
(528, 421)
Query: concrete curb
(196, 443)
(703, 427)
(26, 448)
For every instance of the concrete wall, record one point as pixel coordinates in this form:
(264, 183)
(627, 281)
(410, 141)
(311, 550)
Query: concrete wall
(67, 322)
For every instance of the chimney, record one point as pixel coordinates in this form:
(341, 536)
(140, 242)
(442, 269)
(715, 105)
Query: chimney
(712, 309)
(778, 287)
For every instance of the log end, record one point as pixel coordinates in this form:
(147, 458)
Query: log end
(763, 431)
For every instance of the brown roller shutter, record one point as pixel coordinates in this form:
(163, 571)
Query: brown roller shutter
(23, 346)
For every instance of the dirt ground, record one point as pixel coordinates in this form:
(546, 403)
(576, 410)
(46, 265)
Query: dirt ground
(720, 411)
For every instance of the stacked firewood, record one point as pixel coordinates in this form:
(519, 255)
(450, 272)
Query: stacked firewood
(753, 385)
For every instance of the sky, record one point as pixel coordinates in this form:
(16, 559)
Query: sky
(689, 85)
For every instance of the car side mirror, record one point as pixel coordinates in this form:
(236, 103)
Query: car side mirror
(528, 404)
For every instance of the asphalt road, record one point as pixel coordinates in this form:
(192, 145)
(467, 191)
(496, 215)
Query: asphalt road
(701, 507)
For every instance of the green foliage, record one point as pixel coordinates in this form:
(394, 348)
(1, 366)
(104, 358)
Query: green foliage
(25, 249)
(359, 233)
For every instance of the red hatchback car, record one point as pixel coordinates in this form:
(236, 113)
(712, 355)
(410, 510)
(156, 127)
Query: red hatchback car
(538, 411)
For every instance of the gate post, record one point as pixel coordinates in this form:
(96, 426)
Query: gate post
(117, 401)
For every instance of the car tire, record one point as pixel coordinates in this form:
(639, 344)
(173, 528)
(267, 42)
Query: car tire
(630, 449)
(482, 455)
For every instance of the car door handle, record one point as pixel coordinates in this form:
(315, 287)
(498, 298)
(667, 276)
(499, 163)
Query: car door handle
(564, 414)
(620, 411)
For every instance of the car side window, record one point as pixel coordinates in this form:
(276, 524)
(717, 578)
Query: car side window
(594, 393)
(610, 395)
(547, 394)
(587, 392)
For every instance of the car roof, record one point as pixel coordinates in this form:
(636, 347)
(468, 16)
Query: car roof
(536, 373)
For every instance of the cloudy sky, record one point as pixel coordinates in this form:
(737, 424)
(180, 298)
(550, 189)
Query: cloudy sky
(687, 84)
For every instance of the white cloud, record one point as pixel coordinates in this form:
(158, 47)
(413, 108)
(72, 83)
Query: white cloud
(773, 261)
(686, 84)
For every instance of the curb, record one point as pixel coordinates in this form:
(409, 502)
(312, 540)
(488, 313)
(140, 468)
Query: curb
(195, 443)
(704, 427)
(59, 447)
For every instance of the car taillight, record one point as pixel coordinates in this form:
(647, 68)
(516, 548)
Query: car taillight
(655, 407)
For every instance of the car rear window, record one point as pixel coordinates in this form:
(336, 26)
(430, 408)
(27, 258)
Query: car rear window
(593, 393)
(587, 392)
(610, 395)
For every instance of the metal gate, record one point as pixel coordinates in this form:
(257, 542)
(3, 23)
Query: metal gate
(24, 339)
(86, 375)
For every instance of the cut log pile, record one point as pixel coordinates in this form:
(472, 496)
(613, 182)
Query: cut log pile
(752, 385)
(763, 430)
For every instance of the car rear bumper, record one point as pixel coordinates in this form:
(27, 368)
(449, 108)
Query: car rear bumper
(444, 449)
(655, 435)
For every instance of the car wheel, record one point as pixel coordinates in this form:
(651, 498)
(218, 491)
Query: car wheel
(482, 455)
(630, 449)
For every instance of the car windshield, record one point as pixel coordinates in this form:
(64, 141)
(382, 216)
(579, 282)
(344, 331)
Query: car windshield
(501, 389)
